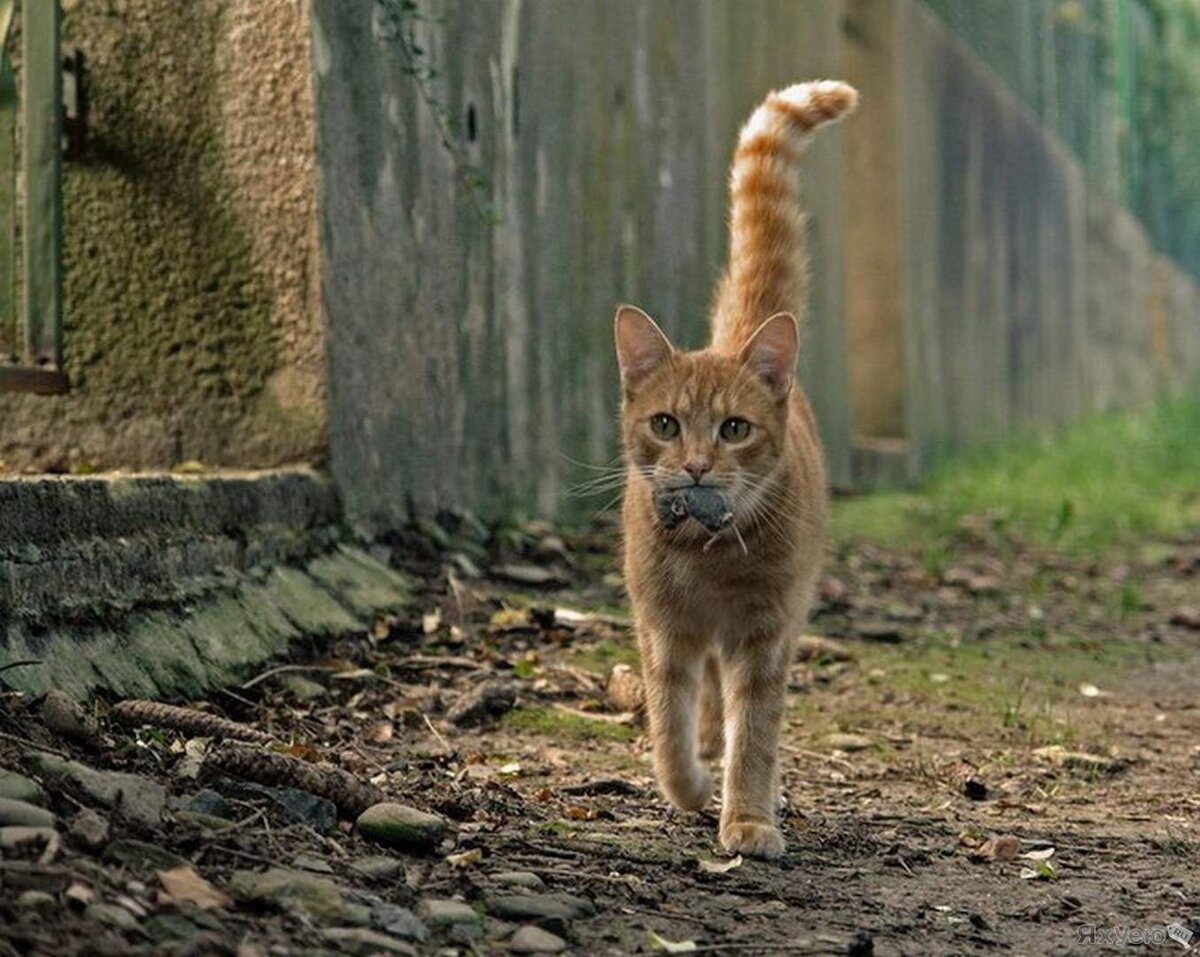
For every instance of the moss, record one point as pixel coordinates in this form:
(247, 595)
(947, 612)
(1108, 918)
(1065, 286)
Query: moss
(563, 726)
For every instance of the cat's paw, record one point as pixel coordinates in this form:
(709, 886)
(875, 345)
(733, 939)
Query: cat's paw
(752, 838)
(691, 791)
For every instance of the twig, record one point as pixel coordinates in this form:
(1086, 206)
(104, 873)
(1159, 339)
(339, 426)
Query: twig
(21, 664)
(30, 743)
(434, 731)
(282, 669)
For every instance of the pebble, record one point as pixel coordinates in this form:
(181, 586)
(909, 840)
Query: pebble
(359, 940)
(208, 802)
(310, 862)
(538, 906)
(446, 913)
(136, 797)
(142, 856)
(37, 900)
(525, 879)
(89, 830)
(316, 896)
(24, 814)
(17, 787)
(378, 867)
(534, 940)
(301, 688)
(398, 921)
(111, 915)
(398, 825)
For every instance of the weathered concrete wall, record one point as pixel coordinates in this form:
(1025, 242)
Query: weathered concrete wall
(193, 328)
(1025, 299)
(157, 585)
(471, 350)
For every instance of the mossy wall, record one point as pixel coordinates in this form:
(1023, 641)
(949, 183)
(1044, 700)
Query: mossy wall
(193, 330)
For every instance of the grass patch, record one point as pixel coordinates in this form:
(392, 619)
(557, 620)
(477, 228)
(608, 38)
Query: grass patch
(558, 724)
(600, 656)
(1101, 482)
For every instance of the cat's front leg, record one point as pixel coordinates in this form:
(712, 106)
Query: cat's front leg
(754, 675)
(671, 673)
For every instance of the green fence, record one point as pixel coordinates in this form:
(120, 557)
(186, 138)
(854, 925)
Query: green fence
(31, 273)
(1119, 81)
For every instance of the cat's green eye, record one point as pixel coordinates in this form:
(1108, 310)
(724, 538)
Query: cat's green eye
(735, 430)
(664, 426)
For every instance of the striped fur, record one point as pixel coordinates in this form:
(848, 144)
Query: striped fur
(768, 265)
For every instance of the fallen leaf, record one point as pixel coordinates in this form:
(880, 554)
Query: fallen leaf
(721, 867)
(1041, 854)
(508, 618)
(184, 884)
(510, 770)
(431, 621)
(1003, 847)
(465, 859)
(380, 732)
(1090, 691)
(671, 946)
(1041, 871)
(577, 812)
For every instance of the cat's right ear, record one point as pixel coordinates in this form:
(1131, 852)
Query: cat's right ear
(641, 346)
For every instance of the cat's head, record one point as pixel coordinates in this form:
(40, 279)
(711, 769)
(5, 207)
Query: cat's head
(704, 417)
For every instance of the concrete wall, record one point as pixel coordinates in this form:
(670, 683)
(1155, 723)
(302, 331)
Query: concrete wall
(471, 349)
(193, 328)
(1024, 298)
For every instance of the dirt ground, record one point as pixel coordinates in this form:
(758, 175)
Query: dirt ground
(993, 750)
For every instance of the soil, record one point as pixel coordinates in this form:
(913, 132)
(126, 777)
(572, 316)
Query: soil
(982, 689)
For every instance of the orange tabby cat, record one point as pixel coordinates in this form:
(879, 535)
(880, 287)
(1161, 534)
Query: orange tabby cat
(725, 503)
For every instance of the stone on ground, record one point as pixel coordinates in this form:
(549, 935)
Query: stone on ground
(401, 826)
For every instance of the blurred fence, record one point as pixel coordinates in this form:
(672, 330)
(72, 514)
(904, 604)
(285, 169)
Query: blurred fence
(1119, 82)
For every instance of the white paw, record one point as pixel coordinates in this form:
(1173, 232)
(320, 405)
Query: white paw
(752, 838)
(689, 792)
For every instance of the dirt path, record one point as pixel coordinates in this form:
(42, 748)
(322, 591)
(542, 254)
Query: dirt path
(978, 693)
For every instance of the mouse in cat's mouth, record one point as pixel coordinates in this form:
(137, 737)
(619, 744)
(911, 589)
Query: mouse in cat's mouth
(707, 505)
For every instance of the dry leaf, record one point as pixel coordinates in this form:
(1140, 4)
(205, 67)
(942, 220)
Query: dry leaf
(431, 621)
(510, 770)
(1090, 691)
(721, 867)
(671, 946)
(380, 733)
(184, 884)
(1042, 854)
(508, 618)
(465, 859)
(1005, 847)
(577, 812)
(1041, 871)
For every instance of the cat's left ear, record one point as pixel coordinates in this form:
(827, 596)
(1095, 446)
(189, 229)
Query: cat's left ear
(772, 352)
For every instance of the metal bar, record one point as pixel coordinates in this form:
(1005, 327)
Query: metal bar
(37, 381)
(8, 188)
(42, 164)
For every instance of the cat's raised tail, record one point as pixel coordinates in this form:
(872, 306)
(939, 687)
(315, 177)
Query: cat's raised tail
(767, 263)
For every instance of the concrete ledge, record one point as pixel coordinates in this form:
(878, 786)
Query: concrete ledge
(154, 585)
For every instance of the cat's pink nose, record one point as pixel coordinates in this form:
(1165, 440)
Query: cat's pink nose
(697, 468)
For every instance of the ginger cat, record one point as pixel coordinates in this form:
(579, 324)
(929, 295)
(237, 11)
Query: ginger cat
(725, 503)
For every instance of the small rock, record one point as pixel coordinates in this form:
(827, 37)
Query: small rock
(398, 825)
(847, 742)
(210, 803)
(861, 945)
(820, 648)
(440, 914)
(134, 796)
(111, 916)
(534, 940)
(360, 940)
(142, 856)
(78, 896)
(975, 789)
(398, 921)
(17, 787)
(316, 896)
(65, 716)
(18, 836)
(302, 806)
(378, 867)
(89, 830)
(482, 704)
(37, 900)
(525, 879)
(625, 689)
(23, 814)
(538, 906)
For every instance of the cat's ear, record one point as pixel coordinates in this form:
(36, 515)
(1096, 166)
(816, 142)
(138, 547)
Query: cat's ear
(641, 346)
(772, 351)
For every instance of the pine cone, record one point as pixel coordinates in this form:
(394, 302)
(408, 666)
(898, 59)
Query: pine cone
(186, 720)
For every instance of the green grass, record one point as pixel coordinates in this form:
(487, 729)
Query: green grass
(563, 726)
(1102, 482)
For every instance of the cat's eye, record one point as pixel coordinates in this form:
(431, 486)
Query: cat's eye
(735, 430)
(664, 426)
